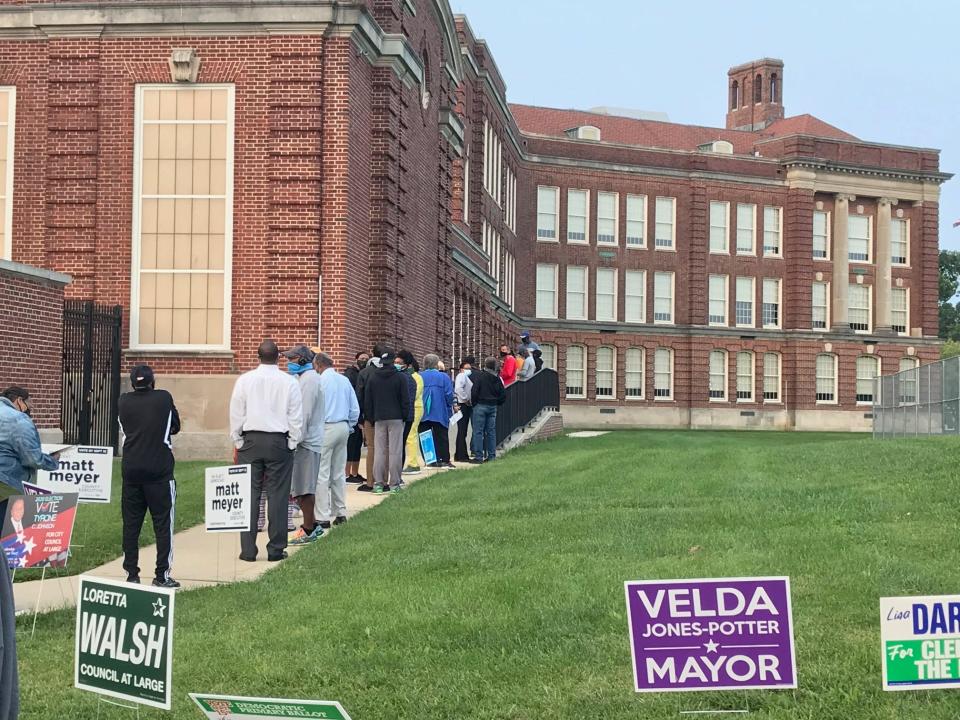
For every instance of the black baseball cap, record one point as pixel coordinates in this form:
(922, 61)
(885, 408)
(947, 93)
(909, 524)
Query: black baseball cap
(141, 377)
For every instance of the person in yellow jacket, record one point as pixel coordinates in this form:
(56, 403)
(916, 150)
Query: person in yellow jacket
(411, 438)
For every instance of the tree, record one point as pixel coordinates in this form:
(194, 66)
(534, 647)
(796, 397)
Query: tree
(949, 285)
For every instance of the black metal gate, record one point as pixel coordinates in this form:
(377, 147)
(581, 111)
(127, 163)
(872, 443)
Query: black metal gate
(91, 373)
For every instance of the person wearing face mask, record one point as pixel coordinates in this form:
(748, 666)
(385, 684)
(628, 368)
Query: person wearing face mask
(388, 404)
(461, 402)
(20, 455)
(369, 437)
(355, 441)
(508, 366)
(306, 458)
(411, 443)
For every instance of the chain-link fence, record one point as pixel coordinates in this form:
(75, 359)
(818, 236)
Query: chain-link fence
(923, 400)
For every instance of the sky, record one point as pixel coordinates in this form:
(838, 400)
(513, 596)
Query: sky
(883, 71)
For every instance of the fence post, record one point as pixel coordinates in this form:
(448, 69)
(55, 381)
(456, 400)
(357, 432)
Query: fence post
(86, 375)
(116, 326)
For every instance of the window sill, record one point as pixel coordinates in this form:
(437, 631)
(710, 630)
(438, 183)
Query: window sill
(720, 252)
(717, 325)
(772, 257)
(636, 247)
(635, 398)
(665, 249)
(574, 397)
(718, 401)
(745, 253)
(585, 243)
(548, 240)
(860, 262)
(773, 402)
(167, 351)
(663, 400)
(608, 244)
(833, 403)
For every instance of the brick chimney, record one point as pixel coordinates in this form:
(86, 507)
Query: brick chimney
(755, 94)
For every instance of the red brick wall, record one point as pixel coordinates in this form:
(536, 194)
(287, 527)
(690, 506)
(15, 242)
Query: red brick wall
(33, 318)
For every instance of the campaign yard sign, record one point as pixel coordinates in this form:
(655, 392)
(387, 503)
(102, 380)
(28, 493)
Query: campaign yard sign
(124, 641)
(228, 498)
(84, 469)
(920, 639)
(227, 707)
(714, 634)
(427, 447)
(37, 529)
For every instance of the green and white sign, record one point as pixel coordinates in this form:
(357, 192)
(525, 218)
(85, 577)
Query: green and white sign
(124, 642)
(920, 638)
(228, 707)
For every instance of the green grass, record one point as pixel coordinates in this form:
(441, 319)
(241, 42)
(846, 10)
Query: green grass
(498, 593)
(97, 537)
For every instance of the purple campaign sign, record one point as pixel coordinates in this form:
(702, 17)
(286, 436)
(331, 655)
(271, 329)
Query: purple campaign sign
(719, 634)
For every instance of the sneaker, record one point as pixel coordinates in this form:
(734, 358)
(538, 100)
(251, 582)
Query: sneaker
(301, 537)
(411, 471)
(133, 579)
(476, 461)
(166, 582)
(447, 464)
(325, 524)
(340, 520)
(361, 479)
(354, 479)
(378, 490)
(364, 488)
(396, 489)
(277, 558)
(317, 532)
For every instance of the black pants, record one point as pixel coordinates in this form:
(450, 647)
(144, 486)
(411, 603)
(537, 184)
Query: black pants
(9, 682)
(461, 453)
(355, 443)
(441, 439)
(159, 497)
(271, 466)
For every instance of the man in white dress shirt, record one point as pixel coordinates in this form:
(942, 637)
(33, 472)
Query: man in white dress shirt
(266, 425)
(342, 413)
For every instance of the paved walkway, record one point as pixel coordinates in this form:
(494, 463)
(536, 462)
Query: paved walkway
(201, 559)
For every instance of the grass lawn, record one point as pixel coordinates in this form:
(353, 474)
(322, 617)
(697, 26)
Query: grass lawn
(97, 533)
(498, 593)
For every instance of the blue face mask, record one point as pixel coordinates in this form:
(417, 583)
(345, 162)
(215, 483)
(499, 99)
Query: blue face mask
(467, 372)
(398, 367)
(297, 369)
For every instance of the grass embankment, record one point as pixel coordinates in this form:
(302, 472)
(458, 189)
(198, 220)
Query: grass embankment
(97, 536)
(498, 593)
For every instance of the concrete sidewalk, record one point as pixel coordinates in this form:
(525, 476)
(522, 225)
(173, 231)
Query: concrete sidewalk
(200, 559)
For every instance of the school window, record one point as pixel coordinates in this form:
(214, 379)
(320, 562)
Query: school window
(492, 162)
(606, 294)
(772, 230)
(548, 354)
(576, 292)
(907, 379)
(606, 376)
(665, 230)
(746, 228)
(770, 311)
(900, 241)
(826, 369)
(717, 292)
(771, 377)
(663, 297)
(858, 308)
(577, 203)
(510, 211)
(634, 290)
(744, 302)
(466, 187)
(607, 218)
(718, 375)
(719, 227)
(182, 227)
(663, 374)
(900, 310)
(744, 376)
(633, 374)
(821, 305)
(576, 371)
(548, 199)
(636, 220)
(8, 112)
(868, 369)
(858, 238)
(821, 235)
(546, 290)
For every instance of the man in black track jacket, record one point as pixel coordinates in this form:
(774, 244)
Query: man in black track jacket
(148, 420)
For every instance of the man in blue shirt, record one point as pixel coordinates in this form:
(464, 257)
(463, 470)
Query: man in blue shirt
(437, 408)
(342, 413)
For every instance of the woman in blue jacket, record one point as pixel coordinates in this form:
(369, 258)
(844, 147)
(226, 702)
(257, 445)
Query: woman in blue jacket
(437, 408)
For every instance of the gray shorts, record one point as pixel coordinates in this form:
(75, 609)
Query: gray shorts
(306, 469)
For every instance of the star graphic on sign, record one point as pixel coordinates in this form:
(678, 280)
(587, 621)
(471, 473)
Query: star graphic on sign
(29, 545)
(22, 562)
(21, 537)
(711, 646)
(159, 608)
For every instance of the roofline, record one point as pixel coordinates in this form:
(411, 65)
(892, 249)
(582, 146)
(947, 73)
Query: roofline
(845, 140)
(753, 63)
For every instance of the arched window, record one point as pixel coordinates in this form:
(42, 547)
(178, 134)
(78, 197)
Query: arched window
(908, 380)
(734, 95)
(868, 369)
(576, 371)
(771, 377)
(606, 380)
(826, 369)
(758, 89)
(663, 374)
(774, 88)
(633, 373)
(745, 380)
(718, 375)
